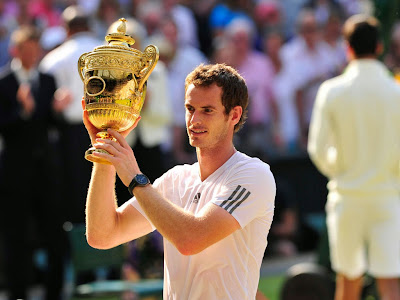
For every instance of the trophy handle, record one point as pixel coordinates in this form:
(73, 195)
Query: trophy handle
(150, 55)
(81, 65)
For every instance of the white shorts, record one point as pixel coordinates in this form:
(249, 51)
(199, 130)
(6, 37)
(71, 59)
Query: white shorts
(364, 236)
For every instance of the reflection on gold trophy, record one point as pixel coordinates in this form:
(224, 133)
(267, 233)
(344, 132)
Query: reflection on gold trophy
(115, 79)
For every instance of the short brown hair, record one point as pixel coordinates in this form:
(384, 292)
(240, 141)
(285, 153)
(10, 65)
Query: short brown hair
(234, 89)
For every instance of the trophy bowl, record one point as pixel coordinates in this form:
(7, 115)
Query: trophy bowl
(115, 80)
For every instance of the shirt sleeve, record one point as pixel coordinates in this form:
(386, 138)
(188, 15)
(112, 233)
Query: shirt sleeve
(249, 194)
(320, 140)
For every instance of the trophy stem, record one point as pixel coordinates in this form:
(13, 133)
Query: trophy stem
(89, 153)
(105, 135)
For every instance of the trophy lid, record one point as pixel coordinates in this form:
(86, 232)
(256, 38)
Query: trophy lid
(120, 37)
(119, 56)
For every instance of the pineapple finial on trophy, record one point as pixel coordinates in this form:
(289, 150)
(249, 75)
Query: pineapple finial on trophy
(120, 37)
(122, 26)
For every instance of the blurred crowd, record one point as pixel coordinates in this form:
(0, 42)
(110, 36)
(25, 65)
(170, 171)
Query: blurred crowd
(284, 49)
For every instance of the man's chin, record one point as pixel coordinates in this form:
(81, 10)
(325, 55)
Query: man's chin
(194, 142)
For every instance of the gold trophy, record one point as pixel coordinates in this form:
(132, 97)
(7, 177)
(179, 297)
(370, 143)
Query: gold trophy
(115, 80)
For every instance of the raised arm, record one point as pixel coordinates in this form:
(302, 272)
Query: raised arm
(106, 224)
(189, 233)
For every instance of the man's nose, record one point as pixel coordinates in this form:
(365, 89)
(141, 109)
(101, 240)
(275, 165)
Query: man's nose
(196, 118)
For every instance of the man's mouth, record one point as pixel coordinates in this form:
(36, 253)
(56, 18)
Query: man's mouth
(197, 131)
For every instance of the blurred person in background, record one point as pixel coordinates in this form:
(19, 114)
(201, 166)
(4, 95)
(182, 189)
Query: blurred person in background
(8, 23)
(256, 138)
(108, 11)
(332, 36)
(355, 141)
(285, 129)
(88, 7)
(52, 37)
(392, 57)
(185, 22)
(12, 14)
(352, 7)
(23, 13)
(150, 13)
(323, 9)
(180, 60)
(311, 61)
(45, 13)
(62, 63)
(290, 10)
(225, 11)
(201, 11)
(30, 174)
(267, 16)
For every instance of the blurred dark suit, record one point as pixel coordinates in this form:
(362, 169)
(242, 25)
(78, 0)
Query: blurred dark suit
(31, 206)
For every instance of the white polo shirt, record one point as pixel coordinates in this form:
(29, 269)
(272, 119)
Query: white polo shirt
(230, 268)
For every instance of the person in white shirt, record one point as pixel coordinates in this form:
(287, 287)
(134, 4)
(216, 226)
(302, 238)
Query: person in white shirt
(355, 141)
(214, 215)
(310, 61)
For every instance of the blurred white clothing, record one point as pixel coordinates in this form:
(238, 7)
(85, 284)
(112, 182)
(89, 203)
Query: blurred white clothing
(62, 63)
(153, 128)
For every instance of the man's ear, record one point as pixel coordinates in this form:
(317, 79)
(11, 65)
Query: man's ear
(349, 52)
(237, 112)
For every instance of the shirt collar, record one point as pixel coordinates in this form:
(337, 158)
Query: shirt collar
(367, 65)
(23, 75)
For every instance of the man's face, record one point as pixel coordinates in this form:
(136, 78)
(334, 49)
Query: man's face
(29, 53)
(207, 124)
(310, 31)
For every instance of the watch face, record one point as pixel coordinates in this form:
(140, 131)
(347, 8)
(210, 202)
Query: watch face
(142, 179)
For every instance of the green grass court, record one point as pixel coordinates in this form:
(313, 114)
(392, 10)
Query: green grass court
(271, 286)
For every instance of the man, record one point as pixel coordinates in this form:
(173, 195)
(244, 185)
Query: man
(29, 178)
(354, 141)
(214, 215)
(62, 63)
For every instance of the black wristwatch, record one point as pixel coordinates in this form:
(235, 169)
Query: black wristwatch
(138, 180)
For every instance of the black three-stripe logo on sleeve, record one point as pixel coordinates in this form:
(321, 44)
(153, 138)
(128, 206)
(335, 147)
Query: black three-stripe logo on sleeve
(235, 199)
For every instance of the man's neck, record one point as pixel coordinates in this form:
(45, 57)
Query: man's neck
(211, 160)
